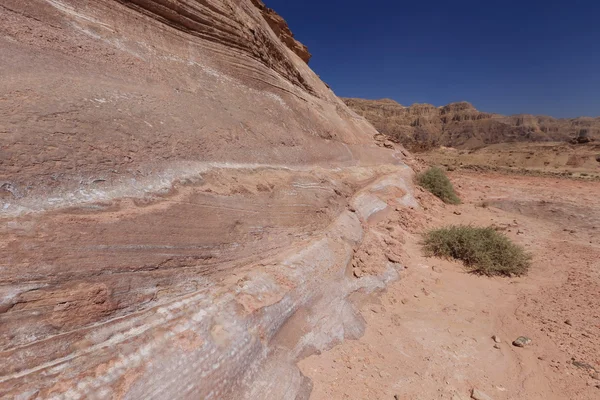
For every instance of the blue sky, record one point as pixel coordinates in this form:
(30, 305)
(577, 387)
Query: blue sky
(510, 57)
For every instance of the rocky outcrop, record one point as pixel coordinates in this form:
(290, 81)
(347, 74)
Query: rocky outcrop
(281, 29)
(181, 198)
(424, 126)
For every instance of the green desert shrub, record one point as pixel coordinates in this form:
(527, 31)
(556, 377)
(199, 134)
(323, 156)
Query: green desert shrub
(483, 250)
(436, 181)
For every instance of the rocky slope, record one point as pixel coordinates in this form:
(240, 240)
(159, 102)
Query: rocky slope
(181, 198)
(460, 125)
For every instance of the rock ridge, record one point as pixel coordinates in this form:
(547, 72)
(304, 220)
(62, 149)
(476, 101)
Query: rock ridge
(461, 125)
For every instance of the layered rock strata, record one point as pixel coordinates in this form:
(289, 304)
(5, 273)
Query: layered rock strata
(181, 200)
(460, 125)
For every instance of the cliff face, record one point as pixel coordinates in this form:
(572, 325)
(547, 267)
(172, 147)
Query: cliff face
(423, 126)
(281, 29)
(175, 190)
(90, 88)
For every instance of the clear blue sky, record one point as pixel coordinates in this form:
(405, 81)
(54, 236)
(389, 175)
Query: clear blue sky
(510, 57)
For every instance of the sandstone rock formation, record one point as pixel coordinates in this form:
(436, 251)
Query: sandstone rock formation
(460, 125)
(181, 198)
(281, 29)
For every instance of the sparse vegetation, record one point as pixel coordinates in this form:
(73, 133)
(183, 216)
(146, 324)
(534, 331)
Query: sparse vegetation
(436, 181)
(483, 250)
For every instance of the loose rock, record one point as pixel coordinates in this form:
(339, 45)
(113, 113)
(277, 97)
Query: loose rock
(521, 341)
(393, 258)
(479, 395)
(582, 365)
(496, 339)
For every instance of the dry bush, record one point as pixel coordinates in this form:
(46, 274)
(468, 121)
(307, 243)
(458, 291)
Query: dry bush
(436, 181)
(483, 250)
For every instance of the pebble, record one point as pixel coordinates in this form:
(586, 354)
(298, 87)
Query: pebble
(393, 258)
(568, 322)
(477, 394)
(496, 339)
(436, 269)
(497, 346)
(521, 341)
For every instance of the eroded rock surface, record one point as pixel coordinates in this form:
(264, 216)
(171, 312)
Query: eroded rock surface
(181, 199)
(424, 126)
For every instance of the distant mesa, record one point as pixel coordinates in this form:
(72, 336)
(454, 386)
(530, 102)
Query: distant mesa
(424, 126)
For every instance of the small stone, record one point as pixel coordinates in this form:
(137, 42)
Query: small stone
(396, 397)
(521, 341)
(497, 346)
(477, 394)
(568, 322)
(393, 258)
(436, 269)
(496, 339)
(457, 213)
(582, 365)
(595, 376)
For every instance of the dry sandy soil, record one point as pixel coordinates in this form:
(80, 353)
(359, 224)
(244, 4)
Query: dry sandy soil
(429, 336)
(548, 158)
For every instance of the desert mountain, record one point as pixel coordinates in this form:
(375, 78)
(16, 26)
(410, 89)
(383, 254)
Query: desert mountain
(460, 125)
(180, 196)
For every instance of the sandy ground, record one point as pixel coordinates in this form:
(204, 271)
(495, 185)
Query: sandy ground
(539, 158)
(429, 336)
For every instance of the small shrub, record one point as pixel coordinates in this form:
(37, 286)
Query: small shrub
(436, 181)
(483, 250)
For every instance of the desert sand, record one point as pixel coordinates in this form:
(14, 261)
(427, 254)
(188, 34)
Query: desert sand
(430, 334)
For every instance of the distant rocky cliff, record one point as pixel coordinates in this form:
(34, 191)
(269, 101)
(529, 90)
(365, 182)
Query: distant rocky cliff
(423, 126)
